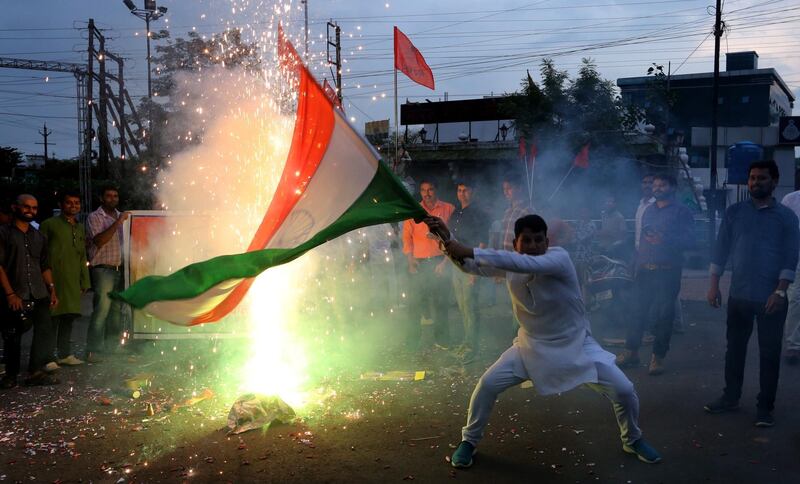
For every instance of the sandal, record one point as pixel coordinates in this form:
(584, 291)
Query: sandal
(40, 378)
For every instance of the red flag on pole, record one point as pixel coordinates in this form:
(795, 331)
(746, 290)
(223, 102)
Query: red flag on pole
(409, 60)
(523, 151)
(582, 158)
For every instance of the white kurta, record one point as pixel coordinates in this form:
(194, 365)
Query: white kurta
(554, 338)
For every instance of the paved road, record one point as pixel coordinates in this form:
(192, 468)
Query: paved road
(390, 431)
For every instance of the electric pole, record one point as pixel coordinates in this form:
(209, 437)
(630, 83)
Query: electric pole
(305, 32)
(337, 60)
(712, 186)
(45, 133)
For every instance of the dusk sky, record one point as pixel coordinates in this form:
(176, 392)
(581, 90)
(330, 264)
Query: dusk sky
(475, 48)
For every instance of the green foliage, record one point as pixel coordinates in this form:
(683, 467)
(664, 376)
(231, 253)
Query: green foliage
(187, 56)
(568, 111)
(45, 184)
(659, 101)
(532, 107)
(9, 159)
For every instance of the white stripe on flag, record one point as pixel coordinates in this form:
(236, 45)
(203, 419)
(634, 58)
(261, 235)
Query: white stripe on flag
(346, 170)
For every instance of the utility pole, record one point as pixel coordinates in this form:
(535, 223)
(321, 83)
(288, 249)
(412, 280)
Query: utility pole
(712, 186)
(45, 133)
(102, 116)
(90, 132)
(337, 60)
(305, 32)
(84, 129)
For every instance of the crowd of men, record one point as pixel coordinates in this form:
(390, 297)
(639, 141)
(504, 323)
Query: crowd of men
(44, 271)
(758, 240)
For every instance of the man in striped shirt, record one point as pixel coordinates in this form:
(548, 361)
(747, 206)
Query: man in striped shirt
(104, 236)
(519, 205)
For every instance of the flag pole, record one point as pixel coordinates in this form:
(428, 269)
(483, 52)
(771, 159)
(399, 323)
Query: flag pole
(562, 182)
(528, 179)
(396, 122)
(531, 181)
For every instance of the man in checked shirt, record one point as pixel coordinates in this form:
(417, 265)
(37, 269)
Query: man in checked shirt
(104, 236)
(519, 205)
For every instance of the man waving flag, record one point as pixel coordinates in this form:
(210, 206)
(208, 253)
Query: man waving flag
(333, 182)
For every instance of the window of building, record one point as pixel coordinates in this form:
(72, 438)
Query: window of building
(698, 158)
(720, 100)
(745, 99)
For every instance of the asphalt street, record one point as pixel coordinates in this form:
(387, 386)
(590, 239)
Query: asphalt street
(89, 429)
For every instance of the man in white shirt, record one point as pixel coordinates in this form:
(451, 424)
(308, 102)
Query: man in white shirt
(646, 201)
(792, 333)
(554, 347)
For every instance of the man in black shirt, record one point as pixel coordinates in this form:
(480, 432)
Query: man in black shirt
(28, 286)
(469, 224)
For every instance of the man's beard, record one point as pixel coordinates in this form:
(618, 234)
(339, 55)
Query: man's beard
(23, 217)
(759, 193)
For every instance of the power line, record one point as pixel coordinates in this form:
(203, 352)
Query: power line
(23, 115)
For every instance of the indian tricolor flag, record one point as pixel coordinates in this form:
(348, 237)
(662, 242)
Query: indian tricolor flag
(333, 182)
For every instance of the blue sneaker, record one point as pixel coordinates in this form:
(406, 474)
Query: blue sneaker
(462, 457)
(643, 451)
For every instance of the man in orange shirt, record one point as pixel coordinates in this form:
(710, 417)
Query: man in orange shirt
(426, 266)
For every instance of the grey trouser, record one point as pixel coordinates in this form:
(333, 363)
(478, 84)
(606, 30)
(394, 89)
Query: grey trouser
(467, 296)
(509, 370)
(792, 330)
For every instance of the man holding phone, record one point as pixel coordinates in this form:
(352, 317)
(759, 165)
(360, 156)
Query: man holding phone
(667, 231)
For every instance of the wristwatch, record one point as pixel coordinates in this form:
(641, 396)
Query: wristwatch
(780, 293)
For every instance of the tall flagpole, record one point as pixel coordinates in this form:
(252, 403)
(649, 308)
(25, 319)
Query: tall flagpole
(396, 122)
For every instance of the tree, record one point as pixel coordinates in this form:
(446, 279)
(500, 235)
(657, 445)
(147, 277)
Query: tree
(659, 100)
(187, 56)
(595, 110)
(9, 159)
(532, 109)
(564, 115)
(553, 86)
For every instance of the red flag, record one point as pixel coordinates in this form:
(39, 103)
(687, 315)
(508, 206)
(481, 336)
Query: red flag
(409, 60)
(582, 158)
(331, 92)
(522, 150)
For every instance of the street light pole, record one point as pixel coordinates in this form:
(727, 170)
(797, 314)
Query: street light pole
(148, 13)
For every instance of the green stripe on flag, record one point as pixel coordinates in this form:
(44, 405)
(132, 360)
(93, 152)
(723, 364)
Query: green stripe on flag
(384, 201)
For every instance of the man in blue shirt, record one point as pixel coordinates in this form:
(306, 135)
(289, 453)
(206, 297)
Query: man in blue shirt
(469, 225)
(760, 239)
(667, 231)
